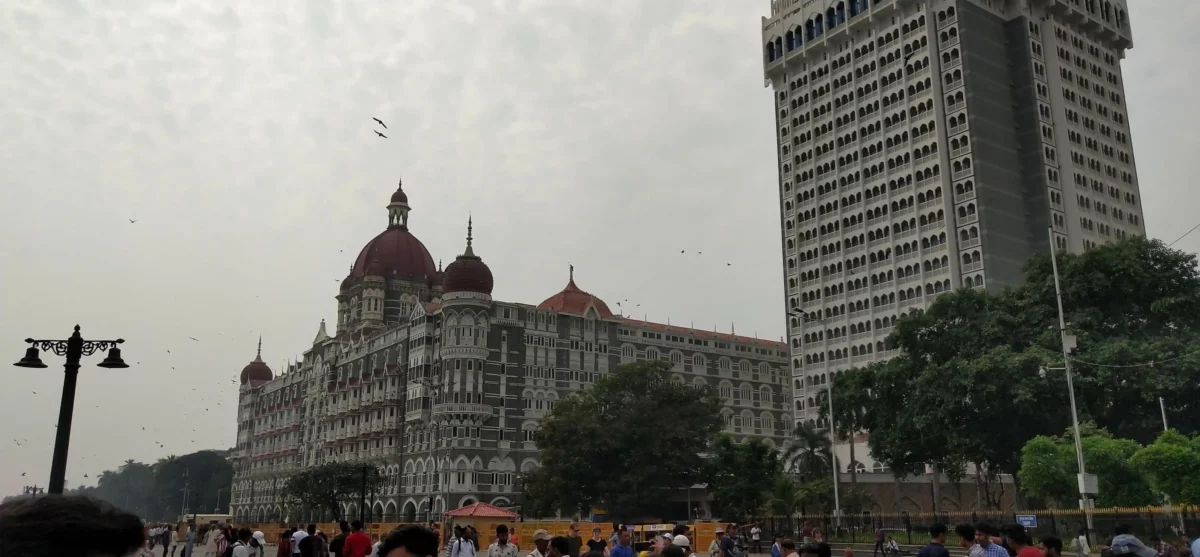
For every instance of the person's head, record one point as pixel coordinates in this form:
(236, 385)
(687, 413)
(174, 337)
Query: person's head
(1082, 532)
(937, 532)
(541, 540)
(672, 550)
(623, 537)
(1051, 546)
(983, 534)
(720, 533)
(680, 530)
(356, 525)
(67, 526)
(1122, 529)
(283, 536)
(312, 529)
(778, 537)
(596, 533)
(502, 534)
(244, 535)
(344, 527)
(682, 541)
(559, 546)
(966, 535)
(1016, 536)
(408, 541)
(574, 533)
(788, 546)
(817, 535)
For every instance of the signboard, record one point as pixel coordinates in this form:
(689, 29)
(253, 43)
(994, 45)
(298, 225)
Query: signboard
(1027, 520)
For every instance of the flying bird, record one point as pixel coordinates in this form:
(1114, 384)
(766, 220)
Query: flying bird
(682, 251)
(379, 134)
(380, 122)
(131, 221)
(195, 339)
(22, 474)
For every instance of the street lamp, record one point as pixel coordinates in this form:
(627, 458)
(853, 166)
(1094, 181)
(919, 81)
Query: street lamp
(73, 348)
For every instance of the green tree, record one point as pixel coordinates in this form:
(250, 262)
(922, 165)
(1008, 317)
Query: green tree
(739, 475)
(624, 444)
(1171, 464)
(1049, 466)
(807, 454)
(327, 486)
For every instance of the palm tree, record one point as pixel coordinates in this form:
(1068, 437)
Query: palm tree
(809, 453)
(785, 498)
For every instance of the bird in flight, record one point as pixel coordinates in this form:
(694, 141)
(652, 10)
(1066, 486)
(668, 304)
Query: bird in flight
(195, 339)
(22, 474)
(380, 122)
(131, 221)
(379, 134)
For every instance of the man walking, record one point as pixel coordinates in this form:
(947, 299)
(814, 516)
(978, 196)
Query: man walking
(983, 538)
(756, 537)
(574, 541)
(358, 543)
(501, 548)
(337, 545)
(623, 548)
(937, 542)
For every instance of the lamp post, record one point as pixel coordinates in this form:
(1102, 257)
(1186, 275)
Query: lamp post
(74, 348)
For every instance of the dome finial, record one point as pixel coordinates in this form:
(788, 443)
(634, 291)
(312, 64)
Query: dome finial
(470, 252)
(398, 207)
(259, 356)
(571, 272)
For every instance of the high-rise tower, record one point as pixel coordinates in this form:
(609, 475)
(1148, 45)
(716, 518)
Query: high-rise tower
(927, 145)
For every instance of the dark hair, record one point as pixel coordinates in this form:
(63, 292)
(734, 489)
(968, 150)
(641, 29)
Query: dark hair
(501, 529)
(680, 529)
(344, 526)
(778, 535)
(673, 550)
(787, 543)
(357, 525)
(561, 544)
(1122, 529)
(312, 529)
(417, 540)
(1083, 531)
(986, 528)
(244, 534)
(67, 526)
(1052, 542)
(937, 530)
(965, 531)
(594, 553)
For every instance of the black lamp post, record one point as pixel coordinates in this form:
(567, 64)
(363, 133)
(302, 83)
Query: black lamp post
(73, 348)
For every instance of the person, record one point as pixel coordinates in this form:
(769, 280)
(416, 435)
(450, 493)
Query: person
(893, 548)
(210, 541)
(623, 547)
(541, 544)
(298, 535)
(726, 545)
(1186, 543)
(937, 542)
(806, 533)
(983, 538)
(462, 545)
(1082, 549)
(1164, 549)
(1194, 545)
(226, 537)
(321, 547)
(597, 542)
(501, 547)
(823, 548)
(574, 539)
(966, 540)
(714, 547)
(307, 543)
(1020, 542)
(671, 550)
(777, 547)
(358, 543)
(878, 541)
(189, 542)
(1124, 543)
(68, 526)
(170, 538)
(284, 549)
(559, 546)
(336, 546)
(682, 541)
(408, 541)
(756, 537)
(241, 548)
(787, 548)
(1051, 546)
(258, 544)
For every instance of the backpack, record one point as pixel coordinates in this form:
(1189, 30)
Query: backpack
(229, 550)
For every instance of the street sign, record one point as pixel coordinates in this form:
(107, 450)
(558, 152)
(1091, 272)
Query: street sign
(1027, 520)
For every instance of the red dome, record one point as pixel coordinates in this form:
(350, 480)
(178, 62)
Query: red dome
(575, 301)
(257, 372)
(467, 274)
(394, 253)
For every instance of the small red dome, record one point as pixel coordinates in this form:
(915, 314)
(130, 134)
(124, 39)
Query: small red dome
(575, 301)
(257, 372)
(399, 197)
(468, 273)
(394, 254)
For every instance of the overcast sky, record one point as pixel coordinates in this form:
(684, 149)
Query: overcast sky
(238, 135)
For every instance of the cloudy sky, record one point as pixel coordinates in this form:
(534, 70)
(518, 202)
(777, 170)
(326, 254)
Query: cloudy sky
(238, 136)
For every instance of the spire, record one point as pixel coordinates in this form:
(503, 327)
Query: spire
(470, 252)
(571, 271)
(439, 265)
(258, 356)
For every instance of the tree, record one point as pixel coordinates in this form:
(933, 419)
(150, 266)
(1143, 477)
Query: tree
(327, 486)
(850, 410)
(740, 475)
(1171, 464)
(1049, 466)
(155, 491)
(625, 443)
(808, 453)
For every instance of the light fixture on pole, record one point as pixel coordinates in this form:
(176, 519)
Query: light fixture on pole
(74, 348)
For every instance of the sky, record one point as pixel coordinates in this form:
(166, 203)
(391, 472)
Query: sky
(191, 175)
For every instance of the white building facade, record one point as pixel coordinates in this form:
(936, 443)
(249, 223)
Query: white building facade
(928, 145)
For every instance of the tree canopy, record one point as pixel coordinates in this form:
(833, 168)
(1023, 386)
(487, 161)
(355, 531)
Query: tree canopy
(155, 491)
(1049, 466)
(979, 373)
(623, 444)
(741, 475)
(1171, 464)
(327, 486)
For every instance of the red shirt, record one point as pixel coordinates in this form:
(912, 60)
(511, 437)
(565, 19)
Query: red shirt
(357, 544)
(1029, 551)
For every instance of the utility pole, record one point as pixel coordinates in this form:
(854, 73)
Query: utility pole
(837, 502)
(362, 493)
(184, 507)
(1087, 483)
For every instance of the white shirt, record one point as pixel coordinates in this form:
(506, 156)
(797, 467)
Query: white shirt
(507, 550)
(754, 532)
(1081, 546)
(299, 535)
(240, 550)
(462, 548)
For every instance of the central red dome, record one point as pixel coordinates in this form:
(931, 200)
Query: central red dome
(575, 301)
(397, 254)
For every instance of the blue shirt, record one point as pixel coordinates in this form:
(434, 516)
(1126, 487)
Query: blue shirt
(933, 549)
(994, 550)
(621, 551)
(775, 551)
